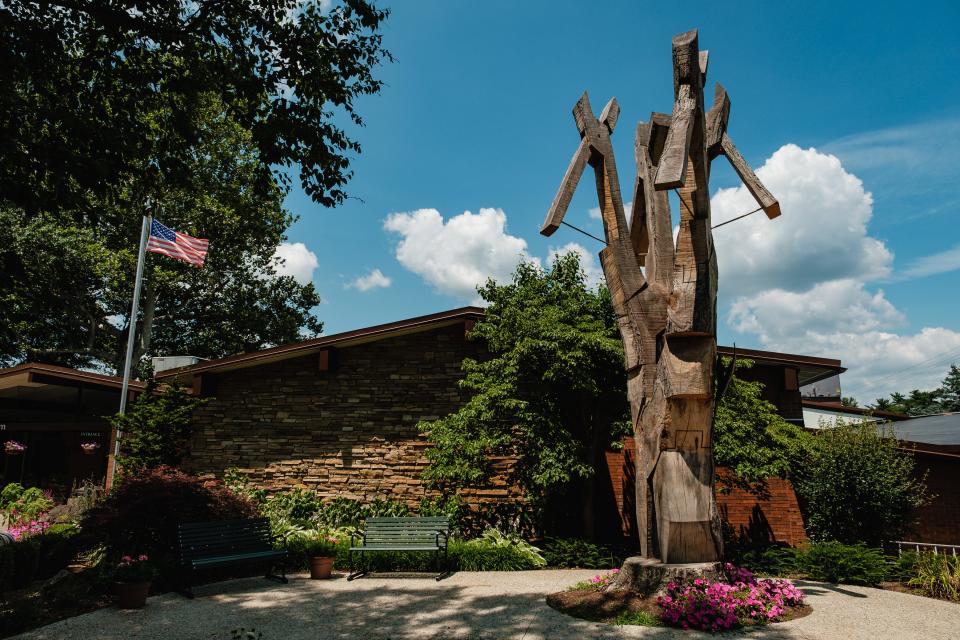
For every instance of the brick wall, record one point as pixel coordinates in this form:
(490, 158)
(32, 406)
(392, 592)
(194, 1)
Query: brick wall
(347, 432)
(939, 521)
(774, 517)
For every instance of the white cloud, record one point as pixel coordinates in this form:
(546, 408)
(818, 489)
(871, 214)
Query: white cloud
(588, 262)
(935, 263)
(457, 255)
(800, 283)
(842, 319)
(373, 280)
(787, 317)
(821, 236)
(294, 259)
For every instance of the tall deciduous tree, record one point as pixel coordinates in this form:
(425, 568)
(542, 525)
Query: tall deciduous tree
(550, 394)
(944, 398)
(68, 277)
(85, 80)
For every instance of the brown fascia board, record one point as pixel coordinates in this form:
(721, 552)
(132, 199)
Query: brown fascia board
(347, 338)
(783, 358)
(863, 411)
(73, 375)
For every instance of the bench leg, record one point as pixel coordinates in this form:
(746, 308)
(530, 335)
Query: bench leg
(446, 563)
(187, 590)
(272, 576)
(350, 573)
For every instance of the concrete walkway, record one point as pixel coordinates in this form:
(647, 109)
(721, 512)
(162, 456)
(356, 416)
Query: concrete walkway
(471, 606)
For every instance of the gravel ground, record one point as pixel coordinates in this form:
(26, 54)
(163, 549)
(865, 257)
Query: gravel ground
(471, 606)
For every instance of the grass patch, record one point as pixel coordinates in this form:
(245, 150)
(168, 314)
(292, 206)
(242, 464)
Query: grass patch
(638, 618)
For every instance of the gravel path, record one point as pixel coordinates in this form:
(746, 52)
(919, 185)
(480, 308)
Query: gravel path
(471, 606)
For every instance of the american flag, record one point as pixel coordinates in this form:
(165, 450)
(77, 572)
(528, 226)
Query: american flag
(177, 245)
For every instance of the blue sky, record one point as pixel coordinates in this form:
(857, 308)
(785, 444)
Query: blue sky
(854, 112)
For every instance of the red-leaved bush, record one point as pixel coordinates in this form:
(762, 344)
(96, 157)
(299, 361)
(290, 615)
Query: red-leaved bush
(142, 512)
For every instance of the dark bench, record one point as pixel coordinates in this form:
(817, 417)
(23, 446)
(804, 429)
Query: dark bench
(429, 534)
(207, 545)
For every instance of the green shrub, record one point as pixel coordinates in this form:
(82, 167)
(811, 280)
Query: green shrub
(903, 567)
(575, 553)
(777, 560)
(937, 575)
(857, 486)
(18, 504)
(842, 563)
(156, 428)
(492, 552)
(450, 506)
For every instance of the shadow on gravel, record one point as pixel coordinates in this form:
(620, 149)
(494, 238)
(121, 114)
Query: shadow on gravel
(303, 610)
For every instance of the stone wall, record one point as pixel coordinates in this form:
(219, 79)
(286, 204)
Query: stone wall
(349, 432)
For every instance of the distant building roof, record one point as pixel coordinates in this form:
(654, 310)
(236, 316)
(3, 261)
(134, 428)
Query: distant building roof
(941, 429)
(840, 408)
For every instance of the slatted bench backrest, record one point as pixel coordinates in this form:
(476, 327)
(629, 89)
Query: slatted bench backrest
(228, 537)
(405, 530)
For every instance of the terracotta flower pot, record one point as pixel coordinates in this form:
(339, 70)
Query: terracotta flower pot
(320, 567)
(132, 595)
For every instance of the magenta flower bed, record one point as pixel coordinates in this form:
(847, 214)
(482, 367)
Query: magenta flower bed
(718, 606)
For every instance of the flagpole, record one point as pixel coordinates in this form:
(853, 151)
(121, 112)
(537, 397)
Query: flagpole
(131, 336)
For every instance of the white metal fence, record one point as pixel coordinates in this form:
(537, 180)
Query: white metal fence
(904, 545)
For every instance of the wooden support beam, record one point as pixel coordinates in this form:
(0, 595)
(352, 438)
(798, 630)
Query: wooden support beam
(327, 360)
(672, 171)
(763, 197)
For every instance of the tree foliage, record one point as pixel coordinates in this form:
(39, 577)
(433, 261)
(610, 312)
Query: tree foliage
(550, 393)
(90, 89)
(856, 486)
(943, 399)
(68, 276)
(751, 438)
(155, 431)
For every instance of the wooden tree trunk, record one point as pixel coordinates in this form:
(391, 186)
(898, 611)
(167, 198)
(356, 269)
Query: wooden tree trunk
(665, 297)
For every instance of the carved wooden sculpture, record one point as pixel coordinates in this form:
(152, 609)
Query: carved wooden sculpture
(667, 310)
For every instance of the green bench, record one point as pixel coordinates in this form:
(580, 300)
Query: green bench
(430, 534)
(207, 545)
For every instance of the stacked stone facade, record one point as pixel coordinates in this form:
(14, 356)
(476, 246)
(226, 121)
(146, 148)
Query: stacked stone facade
(350, 431)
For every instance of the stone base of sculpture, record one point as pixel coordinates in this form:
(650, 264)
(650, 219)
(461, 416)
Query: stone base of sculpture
(650, 577)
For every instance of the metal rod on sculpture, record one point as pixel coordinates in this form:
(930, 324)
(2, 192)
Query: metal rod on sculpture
(131, 336)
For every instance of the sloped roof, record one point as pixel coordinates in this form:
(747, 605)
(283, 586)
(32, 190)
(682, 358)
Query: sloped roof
(347, 338)
(33, 374)
(810, 368)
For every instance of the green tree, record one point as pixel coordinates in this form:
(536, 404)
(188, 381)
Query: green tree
(857, 486)
(949, 391)
(945, 398)
(156, 429)
(68, 276)
(849, 401)
(549, 396)
(90, 89)
(750, 438)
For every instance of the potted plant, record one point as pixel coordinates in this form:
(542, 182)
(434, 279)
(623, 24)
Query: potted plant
(321, 548)
(14, 448)
(132, 579)
(89, 448)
